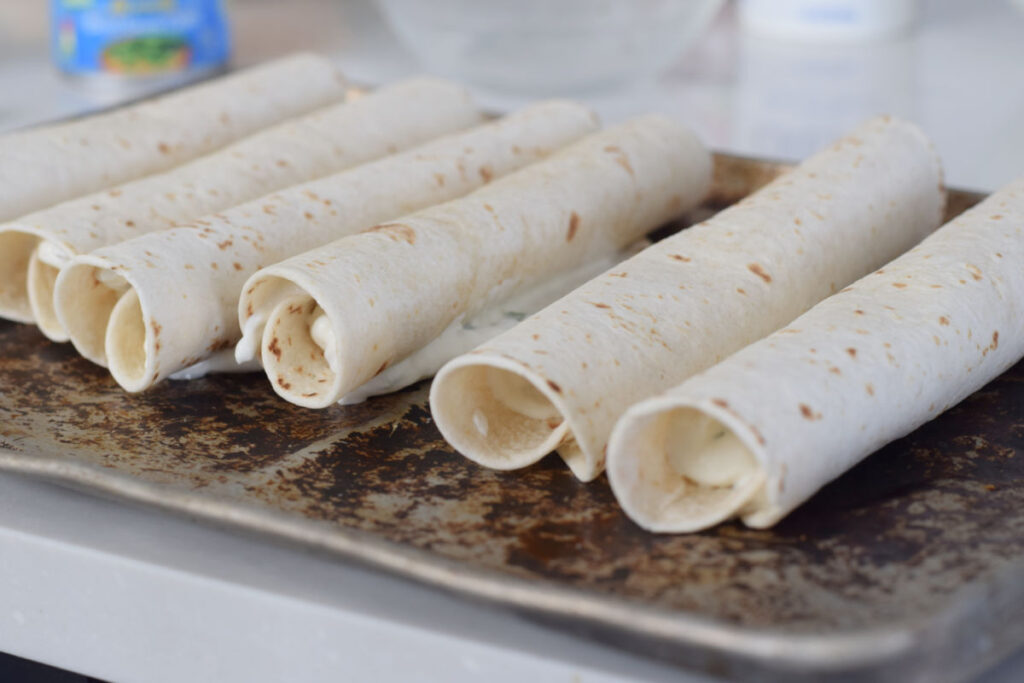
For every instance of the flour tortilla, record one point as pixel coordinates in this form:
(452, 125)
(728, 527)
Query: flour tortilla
(563, 377)
(762, 431)
(342, 315)
(327, 141)
(177, 291)
(45, 166)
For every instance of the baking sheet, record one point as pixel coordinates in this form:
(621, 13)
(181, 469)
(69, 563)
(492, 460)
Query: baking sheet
(911, 566)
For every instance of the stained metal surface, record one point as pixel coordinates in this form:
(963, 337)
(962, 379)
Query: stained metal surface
(911, 565)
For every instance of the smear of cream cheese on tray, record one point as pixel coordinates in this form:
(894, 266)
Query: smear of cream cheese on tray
(464, 335)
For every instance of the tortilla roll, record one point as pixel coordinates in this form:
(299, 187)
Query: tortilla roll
(329, 140)
(403, 294)
(48, 165)
(759, 433)
(561, 379)
(162, 302)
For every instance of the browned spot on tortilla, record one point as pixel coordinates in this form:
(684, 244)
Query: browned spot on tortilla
(975, 271)
(852, 351)
(899, 285)
(97, 207)
(439, 177)
(680, 257)
(269, 209)
(282, 163)
(486, 173)
(574, 224)
(163, 147)
(720, 402)
(835, 371)
(798, 221)
(943, 320)
(995, 340)
(858, 311)
(757, 270)
(308, 215)
(284, 385)
(880, 271)
(870, 389)
(620, 157)
(398, 232)
(218, 345)
(554, 386)
(809, 414)
(381, 369)
(535, 337)
(741, 290)
(275, 348)
(599, 305)
(157, 347)
(237, 265)
(996, 216)
(115, 192)
(215, 266)
(224, 245)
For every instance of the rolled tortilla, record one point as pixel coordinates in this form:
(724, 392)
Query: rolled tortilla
(45, 166)
(389, 306)
(176, 292)
(762, 431)
(329, 140)
(561, 378)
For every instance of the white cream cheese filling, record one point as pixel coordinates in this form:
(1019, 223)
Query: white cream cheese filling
(708, 453)
(221, 361)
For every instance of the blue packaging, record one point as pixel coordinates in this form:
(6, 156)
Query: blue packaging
(138, 37)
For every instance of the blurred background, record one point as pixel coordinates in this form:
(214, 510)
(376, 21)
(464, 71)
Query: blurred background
(768, 78)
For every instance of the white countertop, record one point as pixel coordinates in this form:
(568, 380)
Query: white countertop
(129, 594)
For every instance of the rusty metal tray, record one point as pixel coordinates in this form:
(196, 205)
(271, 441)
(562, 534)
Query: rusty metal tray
(909, 567)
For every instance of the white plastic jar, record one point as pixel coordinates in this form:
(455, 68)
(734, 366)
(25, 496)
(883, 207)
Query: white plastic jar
(828, 20)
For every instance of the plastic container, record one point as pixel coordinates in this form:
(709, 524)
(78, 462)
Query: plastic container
(828, 20)
(151, 40)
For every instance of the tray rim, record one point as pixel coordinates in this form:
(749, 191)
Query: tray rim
(814, 651)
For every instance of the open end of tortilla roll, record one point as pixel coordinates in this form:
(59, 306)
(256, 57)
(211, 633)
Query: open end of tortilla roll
(16, 248)
(294, 352)
(84, 297)
(680, 469)
(497, 416)
(41, 280)
(126, 343)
